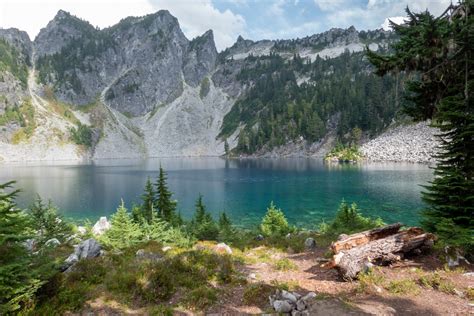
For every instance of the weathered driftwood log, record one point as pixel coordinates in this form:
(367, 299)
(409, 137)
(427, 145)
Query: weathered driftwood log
(348, 242)
(357, 251)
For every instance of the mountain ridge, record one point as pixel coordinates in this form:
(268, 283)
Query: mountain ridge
(140, 88)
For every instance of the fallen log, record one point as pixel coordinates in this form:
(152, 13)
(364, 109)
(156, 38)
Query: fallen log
(354, 240)
(380, 246)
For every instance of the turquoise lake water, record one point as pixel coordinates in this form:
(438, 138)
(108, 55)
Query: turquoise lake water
(307, 190)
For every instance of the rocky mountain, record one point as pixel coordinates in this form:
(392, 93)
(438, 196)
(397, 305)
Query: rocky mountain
(142, 89)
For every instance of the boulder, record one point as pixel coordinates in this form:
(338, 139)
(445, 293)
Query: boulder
(53, 242)
(81, 230)
(281, 306)
(300, 305)
(101, 226)
(310, 243)
(308, 297)
(287, 296)
(259, 237)
(89, 248)
(223, 248)
(30, 244)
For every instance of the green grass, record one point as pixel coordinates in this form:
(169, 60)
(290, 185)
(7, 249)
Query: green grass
(435, 281)
(201, 297)
(403, 287)
(285, 264)
(368, 281)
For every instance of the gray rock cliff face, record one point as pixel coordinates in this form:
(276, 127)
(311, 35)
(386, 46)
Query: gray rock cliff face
(20, 41)
(138, 64)
(60, 32)
(146, 89)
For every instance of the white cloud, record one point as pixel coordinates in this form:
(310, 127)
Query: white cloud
(195, 17)
(198, 16)
(32, 15)
(345, 13)
(330, 5)
(276, 9)
(395, 19)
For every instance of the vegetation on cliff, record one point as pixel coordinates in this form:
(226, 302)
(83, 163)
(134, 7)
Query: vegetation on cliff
(280, 106)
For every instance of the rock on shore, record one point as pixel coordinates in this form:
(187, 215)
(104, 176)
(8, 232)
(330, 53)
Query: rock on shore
(405, 143)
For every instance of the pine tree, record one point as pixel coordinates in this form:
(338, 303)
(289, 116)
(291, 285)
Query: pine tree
(203, 225)
(47, 223)
(165, 206)
(441, 51)
(274, 222)
(18, 282)
(148, 198)
(226, 148)
(124, 232)
(224, 222)
(226, 231)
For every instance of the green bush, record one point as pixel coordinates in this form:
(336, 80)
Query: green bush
(205, 87)
(274, 222)
(349, 220)
(155, 285)
(344, 154)
(203, 226)
(201, 298)
(18, 281)
(123, 232)
(81, 135)
(284, 264)
(47, 223)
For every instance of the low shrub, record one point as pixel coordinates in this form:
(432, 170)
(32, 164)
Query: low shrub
(274, 223)
(436, 282)
(402, 287)
(257, 293)
(285, 264)
(201, 297)
(349, 220)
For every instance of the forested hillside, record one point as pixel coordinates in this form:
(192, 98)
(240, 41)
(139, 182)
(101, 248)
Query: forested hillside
(290, 99)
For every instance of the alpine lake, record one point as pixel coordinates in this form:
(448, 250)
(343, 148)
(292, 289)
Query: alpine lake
(309, 191)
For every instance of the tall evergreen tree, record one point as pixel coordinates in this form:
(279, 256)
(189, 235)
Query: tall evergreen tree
(18, 282)
(200, 210)
(203, 225)
(164, 204)
(47, 223)
(148, 198)
(440, 52)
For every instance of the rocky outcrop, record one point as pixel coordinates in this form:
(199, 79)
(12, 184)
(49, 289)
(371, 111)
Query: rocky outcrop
(137, 65)
(20, 41)
(404, 143)
(285, 302)
(101, 226)
(149, 91)
(89, 248)
(61, 31)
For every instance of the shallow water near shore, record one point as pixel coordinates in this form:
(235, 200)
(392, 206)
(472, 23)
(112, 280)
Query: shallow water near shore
(307, 190)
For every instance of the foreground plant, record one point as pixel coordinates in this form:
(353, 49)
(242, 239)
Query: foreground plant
(18, 282)
(439, 52)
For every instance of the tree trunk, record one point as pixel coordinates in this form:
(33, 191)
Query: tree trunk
(382, 245)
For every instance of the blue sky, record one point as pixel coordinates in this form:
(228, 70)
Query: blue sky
(253, 19)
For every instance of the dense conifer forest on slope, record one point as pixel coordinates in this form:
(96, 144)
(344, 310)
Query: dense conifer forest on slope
(299, 98)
